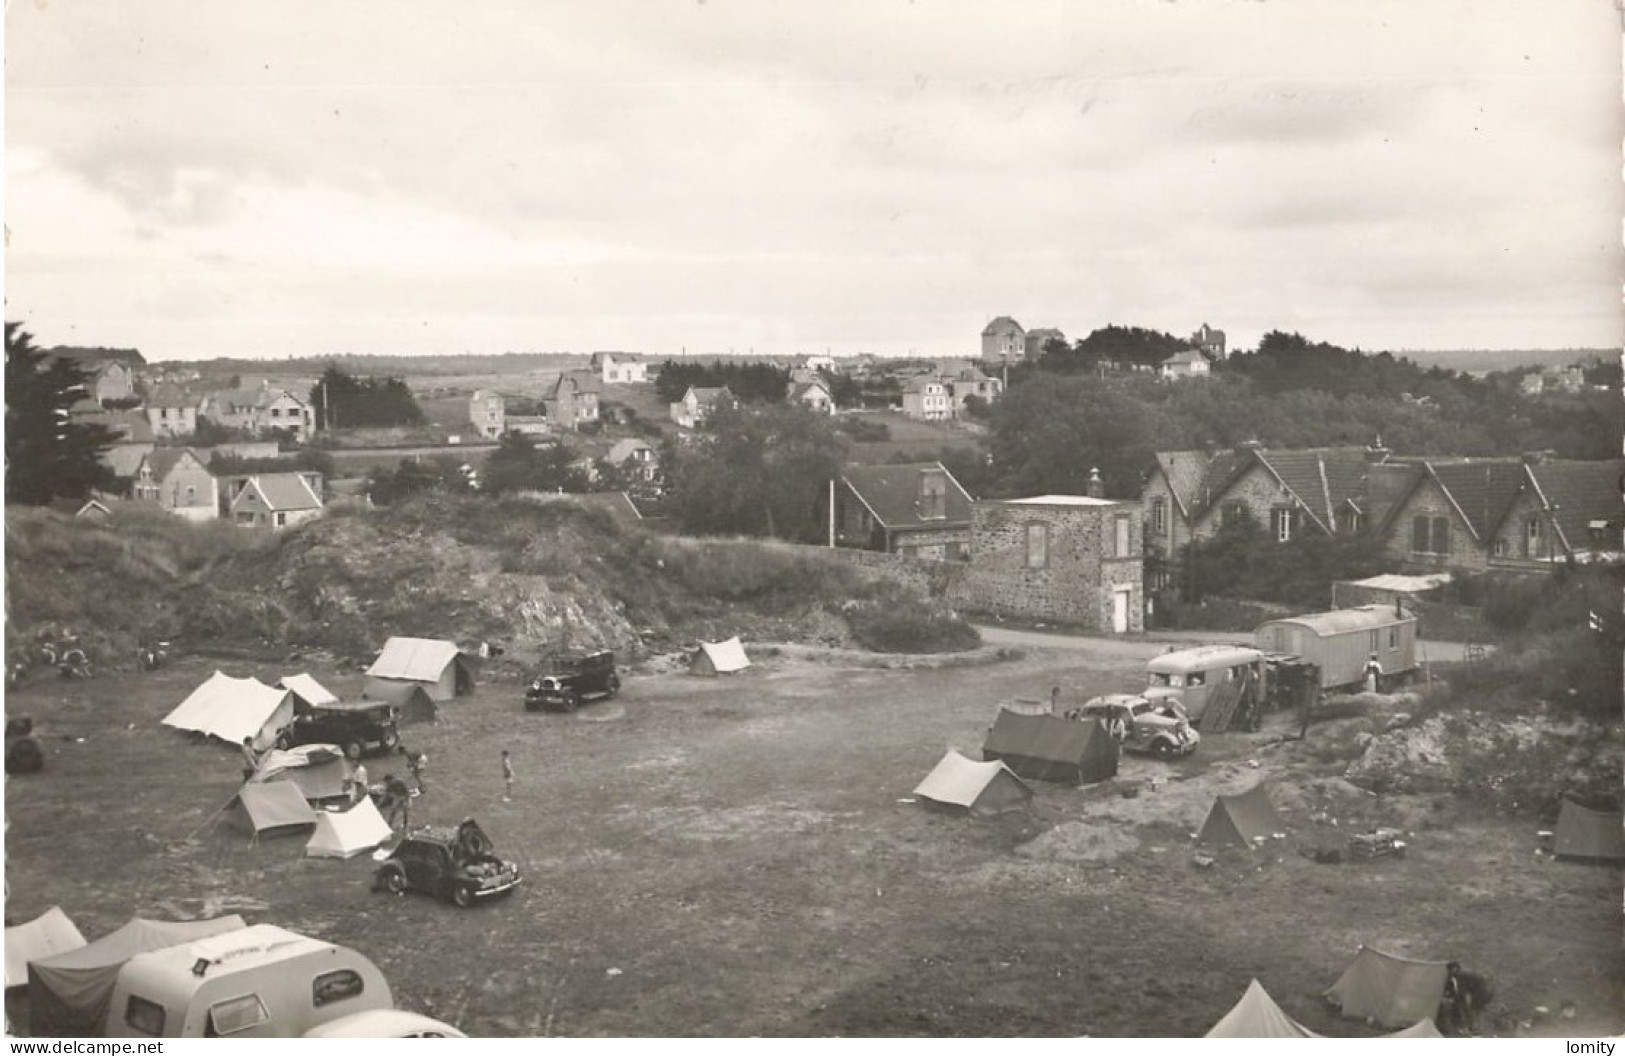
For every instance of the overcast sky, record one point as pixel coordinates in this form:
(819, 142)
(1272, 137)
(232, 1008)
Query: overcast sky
(253, 178)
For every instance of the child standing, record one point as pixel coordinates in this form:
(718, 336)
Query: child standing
(507, 776)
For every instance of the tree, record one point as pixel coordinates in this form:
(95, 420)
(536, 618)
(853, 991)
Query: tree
(757, 471)
(518, 464)
(444, 473)
(47, 454)
(343, 401)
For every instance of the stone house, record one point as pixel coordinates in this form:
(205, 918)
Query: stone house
(699, 403)
(927, 398)
(572, 401)
(972, 382)
(275, 500)
(1210, 343)
(620, 368)
(487, 413)
(813, 395)
(1003, 337)
(915, 509)
(1187, 364)
(171, 411)
(177, 480)
(634, 458)
(1072, 559)
(258, 410)
(111, 373)
(1500, 514)
(1035, 340)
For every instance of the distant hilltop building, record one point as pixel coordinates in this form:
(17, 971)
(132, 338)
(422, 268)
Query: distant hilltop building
(1003, 337)
(1039, 337)
(1209, 342)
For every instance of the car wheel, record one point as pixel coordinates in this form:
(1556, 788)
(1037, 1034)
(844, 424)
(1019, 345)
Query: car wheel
(572, 700)
(353, 749)
(474, 843)
(284, 740)
(1162, 750)
(392, 738)
(462, 896)
(393, 880)
(614, 685)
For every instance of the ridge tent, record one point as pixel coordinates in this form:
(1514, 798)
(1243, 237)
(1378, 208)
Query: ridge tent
(411, 701)
(348, 833)
(234, 708)
(1423, 1028)
(276, 808)
(436, 665)
(1393, 991)
(68, 993)
(1240, 819)
(1257, 1015)
(961, 784)
(1050, 748)
(714, 658)
(46, 935)
(318, 771)
(1584, 833)
(307, 692)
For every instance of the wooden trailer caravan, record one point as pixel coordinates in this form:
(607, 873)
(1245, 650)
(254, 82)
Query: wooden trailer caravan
(1342, 643)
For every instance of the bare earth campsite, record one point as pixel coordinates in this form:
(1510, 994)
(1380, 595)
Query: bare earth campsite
(743, 855)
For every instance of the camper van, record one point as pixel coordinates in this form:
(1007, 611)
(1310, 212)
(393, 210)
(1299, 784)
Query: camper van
(255, 982)
(1193, 676)
(1342, 642)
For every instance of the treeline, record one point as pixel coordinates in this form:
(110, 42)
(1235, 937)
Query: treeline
(341, 400)
(749, 382)
(1050, 429)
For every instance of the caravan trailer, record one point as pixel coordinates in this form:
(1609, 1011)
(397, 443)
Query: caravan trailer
(1342, 642)
(256, 982)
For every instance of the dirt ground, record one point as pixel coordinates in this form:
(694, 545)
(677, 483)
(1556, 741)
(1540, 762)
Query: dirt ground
(742, 856)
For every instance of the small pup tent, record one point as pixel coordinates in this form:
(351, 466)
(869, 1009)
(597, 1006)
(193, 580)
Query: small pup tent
(438, 666)
(1240, 819)
(1393, 991)
(411, 701)
(1257, 1015)
(318, 771)
(1050, 748)
(961, 784)
(719, 658)
(275, 808)
(234, 708)
(307, 692)
(46, 935)
(1583, 833)
(347, 834)
(68, 993)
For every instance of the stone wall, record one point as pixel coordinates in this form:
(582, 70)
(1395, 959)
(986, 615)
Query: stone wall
(1465, 554)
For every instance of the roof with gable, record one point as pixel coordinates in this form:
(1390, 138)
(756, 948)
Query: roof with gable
(709, 396)
(162, 460)
(1320, 478)
(285, 492)
(168, 394)
(1578, 493)
(1001, 323)
(580, 381)
(625, 448)
(1483, 492)
(892, 494)
(800, 391)
(1188, 356)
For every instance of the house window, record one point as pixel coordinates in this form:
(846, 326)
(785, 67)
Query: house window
(1232, 514)
(1430, 535)
(1038, 546)
(339, 985)
(933, 502)
(1121, 541)
(1441, 535)
(1376, 640)
(1281, 523)
(191, 494)
(1500, 547)
(1531, 536)
(281, 519)
(1393, 637)
(1159, 515)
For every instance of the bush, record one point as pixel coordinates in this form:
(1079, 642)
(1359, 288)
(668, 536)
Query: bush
(899, 623)
(864, 430)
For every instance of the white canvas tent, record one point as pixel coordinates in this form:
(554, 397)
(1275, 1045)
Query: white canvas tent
(958, 783)
(1257, 1015)
(319, 771)
(307, 692)
(347, 834)
(46, 935)
(438, 666)
(234, 708)
(274, 808)
(719, 658)
(1392, 990)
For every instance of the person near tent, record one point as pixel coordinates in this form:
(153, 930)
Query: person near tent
(1465, 996)
(507, 775)
(251, 758)
(416, 763)
(397, 802)
(1117, 725)
(1373, 673)
(358, 780)
(1055, 700)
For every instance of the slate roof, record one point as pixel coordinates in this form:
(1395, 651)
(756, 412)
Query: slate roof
(921, 382)
(163, 459)
(706, 397)
(1482, 491)
(1311, 472)
(1190, 355)
(1003, 322)
(625, 448)
(1581, 492)
(583, 382)
(168, 394)
(892, 494)
(286, 492)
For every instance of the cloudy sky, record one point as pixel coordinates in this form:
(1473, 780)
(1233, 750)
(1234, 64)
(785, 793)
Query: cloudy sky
(251, 178)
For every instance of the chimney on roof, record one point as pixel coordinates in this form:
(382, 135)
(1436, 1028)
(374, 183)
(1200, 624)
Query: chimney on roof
(1376, 452)
(1096, 488)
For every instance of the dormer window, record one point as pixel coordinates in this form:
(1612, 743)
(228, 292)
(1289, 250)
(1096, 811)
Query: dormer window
(933, 498)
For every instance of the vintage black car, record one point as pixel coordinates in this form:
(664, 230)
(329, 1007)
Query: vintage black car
(358, 727)
(453, 864)
(566, 679)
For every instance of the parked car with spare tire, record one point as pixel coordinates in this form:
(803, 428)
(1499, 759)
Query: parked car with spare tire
(568, 679)
(362, 727)
(1149, 727)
